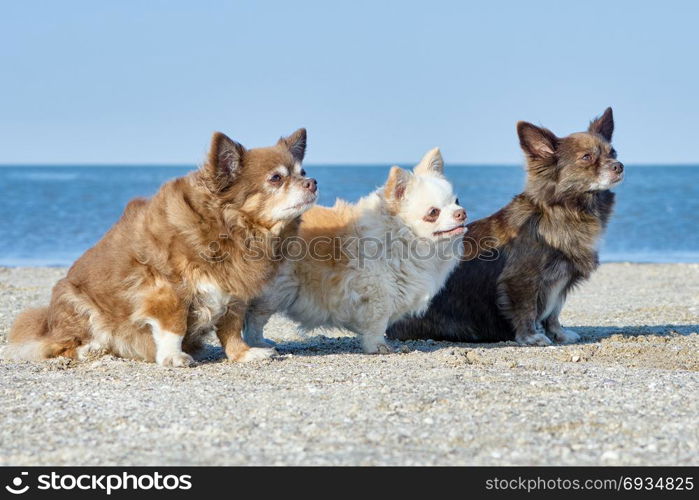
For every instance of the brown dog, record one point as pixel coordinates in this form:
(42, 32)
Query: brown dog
(179, 265)
(520, 262)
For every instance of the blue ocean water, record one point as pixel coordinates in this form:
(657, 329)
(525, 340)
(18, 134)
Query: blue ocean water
(50, 215)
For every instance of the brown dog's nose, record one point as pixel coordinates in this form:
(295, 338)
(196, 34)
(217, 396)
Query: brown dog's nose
(311, 185)
(618, 167)
(460, 215)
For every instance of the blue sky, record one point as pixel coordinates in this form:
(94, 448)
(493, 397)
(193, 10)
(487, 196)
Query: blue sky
(374, 82)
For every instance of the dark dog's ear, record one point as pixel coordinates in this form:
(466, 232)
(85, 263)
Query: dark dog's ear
(604, 125)
(537, 142)
(224, 162)
(296, 144)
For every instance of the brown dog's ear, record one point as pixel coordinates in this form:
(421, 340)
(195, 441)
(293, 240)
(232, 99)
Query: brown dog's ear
(604, 125)
(224, 162)
(431, 164)
(537, 142)
(296, 144)
(396, 185)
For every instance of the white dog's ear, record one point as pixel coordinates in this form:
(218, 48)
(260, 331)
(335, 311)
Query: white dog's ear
(431, 164)
(396, 185)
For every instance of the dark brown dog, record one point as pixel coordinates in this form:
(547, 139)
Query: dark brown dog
(521, 262)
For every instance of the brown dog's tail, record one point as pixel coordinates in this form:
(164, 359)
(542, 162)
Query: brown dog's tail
(29, 336)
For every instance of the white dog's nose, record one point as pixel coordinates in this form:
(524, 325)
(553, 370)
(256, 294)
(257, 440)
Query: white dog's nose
(460, 215)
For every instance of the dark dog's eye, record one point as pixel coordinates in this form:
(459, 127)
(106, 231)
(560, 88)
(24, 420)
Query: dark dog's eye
(275, 179)
(457, 202)
(612, 153)
(303, 173)
(587, 157)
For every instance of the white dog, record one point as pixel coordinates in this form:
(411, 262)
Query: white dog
(364, 266)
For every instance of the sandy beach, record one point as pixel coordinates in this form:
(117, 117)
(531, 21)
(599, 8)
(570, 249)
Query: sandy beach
(628, 394)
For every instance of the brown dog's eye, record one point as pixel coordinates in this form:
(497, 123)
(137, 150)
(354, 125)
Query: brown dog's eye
(275, 179)
(303, 173)
(587, 157)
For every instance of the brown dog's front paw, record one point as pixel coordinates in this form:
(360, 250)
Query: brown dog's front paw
(178, 360)
(253, 354)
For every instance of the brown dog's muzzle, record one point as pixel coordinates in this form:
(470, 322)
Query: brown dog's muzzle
(311, 185)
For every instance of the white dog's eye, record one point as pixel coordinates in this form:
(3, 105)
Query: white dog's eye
(432, 214)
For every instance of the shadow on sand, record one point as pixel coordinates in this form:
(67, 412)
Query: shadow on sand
(321, 345)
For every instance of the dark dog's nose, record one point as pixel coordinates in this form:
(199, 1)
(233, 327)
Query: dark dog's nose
(618, 167)
(311, 185)
(460, 214)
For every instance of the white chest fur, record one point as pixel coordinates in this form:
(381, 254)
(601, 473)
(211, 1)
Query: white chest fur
(418, 283)
(553, 298)
(209, 305)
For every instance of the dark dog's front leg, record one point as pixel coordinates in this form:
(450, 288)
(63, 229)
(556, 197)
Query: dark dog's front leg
(517, 299)
(553, 327)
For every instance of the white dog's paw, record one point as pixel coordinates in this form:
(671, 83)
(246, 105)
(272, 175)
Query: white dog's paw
(264, 343)
(256, 354)
(377, 348)
(177, 360)
(384, 349)
(567, 337)
(536, 339)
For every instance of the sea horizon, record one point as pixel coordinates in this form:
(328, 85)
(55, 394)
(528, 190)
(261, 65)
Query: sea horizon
(51, 214)
(312, 165)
